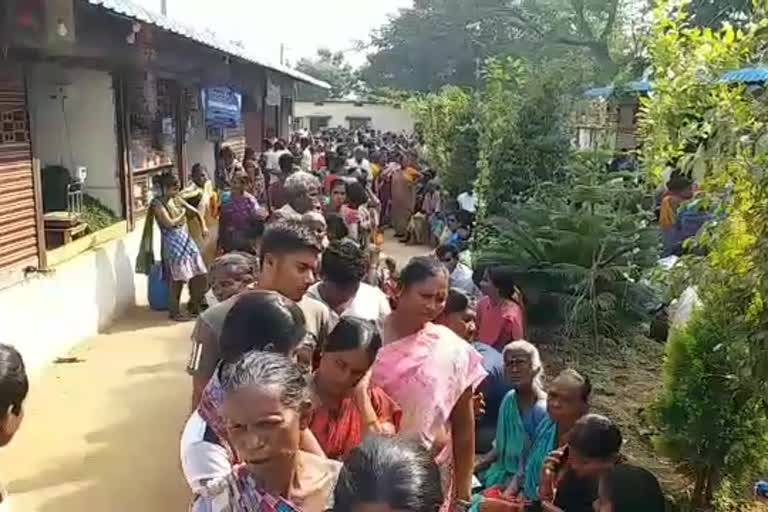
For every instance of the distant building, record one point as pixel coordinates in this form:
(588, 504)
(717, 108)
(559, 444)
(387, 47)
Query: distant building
(316, 115)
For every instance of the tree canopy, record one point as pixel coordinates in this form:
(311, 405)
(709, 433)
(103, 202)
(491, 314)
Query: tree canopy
(332, 68)
(439, 42)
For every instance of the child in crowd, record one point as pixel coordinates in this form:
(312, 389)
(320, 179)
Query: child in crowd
(316, 221)
(500, 313)
(337, 229)
(387, 278)
(14, 387)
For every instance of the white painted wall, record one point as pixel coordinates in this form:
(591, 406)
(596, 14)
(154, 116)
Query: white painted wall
(72, 113)
(200, 150)
(386, 118)
(46, 316)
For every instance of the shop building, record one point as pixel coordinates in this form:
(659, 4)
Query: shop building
(97, 97)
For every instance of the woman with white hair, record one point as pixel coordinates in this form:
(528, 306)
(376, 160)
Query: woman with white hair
(302, 191)
(521, 412)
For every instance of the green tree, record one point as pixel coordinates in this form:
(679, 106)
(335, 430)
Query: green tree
(713, 13)
(332, 68)
(712, 413)
(439, 42)
(522, 139)
(450, 133)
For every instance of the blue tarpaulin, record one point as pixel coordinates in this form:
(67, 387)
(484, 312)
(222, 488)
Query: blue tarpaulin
(756, 75)
(746, 76)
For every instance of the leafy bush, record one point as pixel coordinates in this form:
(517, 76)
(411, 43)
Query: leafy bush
(449, 127)
(712, 417)
(580, 247)
(523, 138)
(712, 413)
(96, 215)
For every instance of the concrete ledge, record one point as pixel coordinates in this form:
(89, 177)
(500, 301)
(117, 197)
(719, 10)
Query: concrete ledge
(79, 246)
(90, 285)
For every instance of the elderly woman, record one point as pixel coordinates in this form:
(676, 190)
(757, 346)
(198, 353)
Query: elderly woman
(522, 411)
(266, 407)
(207, 450)
(302, 193)
(567, 402)
(239, 213)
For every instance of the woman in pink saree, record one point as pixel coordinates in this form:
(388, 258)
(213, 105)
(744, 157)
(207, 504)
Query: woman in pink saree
(431, 373)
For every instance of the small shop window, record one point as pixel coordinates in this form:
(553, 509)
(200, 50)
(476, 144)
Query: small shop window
(359, 123)
(152, 133)
(317, 123)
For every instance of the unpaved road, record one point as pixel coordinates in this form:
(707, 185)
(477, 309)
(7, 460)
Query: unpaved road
(102, 434)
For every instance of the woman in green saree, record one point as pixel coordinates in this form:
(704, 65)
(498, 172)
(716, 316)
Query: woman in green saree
(521, 412)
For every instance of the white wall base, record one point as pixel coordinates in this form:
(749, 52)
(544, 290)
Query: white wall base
(45, 316)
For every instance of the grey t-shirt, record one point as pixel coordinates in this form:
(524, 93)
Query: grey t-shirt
(206, 348)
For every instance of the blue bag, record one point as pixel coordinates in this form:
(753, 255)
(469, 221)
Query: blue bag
(157, 289)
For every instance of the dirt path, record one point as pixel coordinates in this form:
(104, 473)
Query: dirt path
(103, 433)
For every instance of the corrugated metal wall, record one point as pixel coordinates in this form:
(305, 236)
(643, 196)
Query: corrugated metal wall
(18, 221)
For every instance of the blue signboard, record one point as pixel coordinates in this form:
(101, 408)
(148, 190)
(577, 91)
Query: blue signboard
(223, 107)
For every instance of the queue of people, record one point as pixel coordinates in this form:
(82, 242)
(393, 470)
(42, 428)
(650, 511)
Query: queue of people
(317, 365)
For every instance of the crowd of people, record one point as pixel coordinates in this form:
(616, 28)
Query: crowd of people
(323, 377)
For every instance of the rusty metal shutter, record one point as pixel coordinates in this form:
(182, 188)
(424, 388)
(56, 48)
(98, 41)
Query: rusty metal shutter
(18, 217)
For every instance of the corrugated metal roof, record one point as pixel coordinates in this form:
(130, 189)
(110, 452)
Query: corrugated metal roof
(746, 75)
(637, 86)
(208, 38)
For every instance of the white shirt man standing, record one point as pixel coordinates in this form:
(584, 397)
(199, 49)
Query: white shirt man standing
(467, 201)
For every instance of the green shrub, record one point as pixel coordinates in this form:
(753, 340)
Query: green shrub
(96, 215)
(449, 128)
(580, 248)
(523, 139)
(711, 417)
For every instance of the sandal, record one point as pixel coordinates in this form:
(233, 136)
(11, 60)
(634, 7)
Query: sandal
(179, 317)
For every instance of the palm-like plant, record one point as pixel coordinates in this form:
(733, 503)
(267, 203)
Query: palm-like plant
(579, 248)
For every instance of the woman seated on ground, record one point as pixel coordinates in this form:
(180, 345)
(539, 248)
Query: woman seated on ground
(388, 474)
(239, 213)
(432, 374)
(259, 320)
(266, 406)
(567, 402)
(347, 406)
(522, 411)
(500, 315)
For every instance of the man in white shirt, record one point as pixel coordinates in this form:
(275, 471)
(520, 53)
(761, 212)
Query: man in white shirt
(342, 270)
(306, 155)
(360, 161)
(467, 201)
(460, 275)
